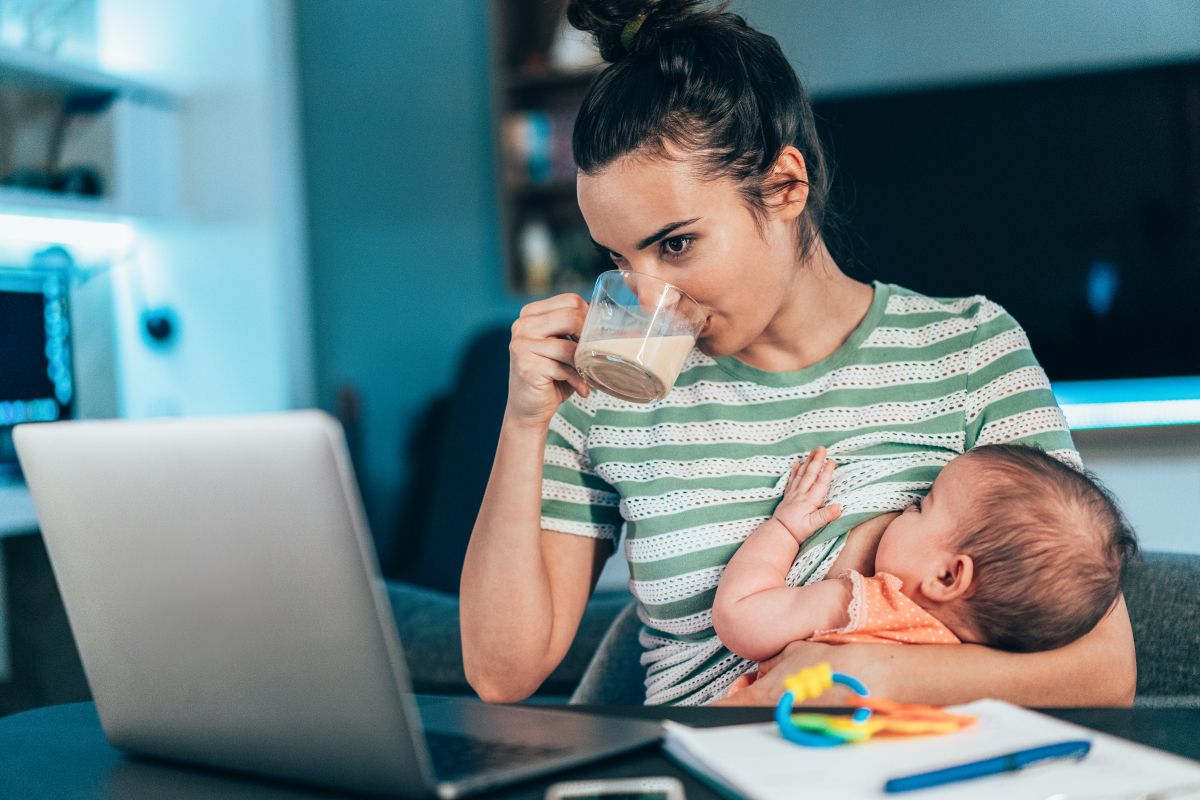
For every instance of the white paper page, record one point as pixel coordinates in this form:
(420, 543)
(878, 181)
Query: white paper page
(758, 763)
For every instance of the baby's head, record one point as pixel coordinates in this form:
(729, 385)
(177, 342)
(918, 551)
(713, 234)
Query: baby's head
(1011, 548)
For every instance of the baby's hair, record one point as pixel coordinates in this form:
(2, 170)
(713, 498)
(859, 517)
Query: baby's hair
(1049, 545)
(704, 85)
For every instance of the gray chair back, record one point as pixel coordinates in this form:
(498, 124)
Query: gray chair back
(615, 675)
(1163, 595)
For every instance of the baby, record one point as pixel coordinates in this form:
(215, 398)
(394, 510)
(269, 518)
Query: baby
(1010, 548)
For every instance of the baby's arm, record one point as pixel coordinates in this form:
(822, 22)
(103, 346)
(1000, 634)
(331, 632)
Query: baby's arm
(755, 613)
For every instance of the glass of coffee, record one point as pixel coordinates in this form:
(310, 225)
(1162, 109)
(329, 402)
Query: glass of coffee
(639, 331)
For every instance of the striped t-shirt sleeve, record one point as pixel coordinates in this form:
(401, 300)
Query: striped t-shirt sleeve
(1008, 396)
(574, 498)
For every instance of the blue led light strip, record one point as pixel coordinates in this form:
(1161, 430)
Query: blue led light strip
(14, 412)
(58, 367)
(1130, 403)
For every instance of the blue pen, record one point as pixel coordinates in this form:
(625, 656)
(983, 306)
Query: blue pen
(1009, 762)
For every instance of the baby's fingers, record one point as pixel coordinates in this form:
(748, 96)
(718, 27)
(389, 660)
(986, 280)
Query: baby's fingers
(793, 482)
(822, 517)
(820, 485)
(812, 469)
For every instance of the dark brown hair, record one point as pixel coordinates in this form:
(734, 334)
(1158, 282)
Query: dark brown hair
(703, 83)
(1050, 547)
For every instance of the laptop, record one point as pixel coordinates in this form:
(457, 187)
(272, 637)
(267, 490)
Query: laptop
(226, 600)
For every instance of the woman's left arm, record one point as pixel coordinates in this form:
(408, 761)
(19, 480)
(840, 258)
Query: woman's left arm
(1097, 670)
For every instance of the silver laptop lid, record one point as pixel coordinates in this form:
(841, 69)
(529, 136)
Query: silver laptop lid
(269, 646)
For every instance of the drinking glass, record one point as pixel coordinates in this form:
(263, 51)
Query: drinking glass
(638, 333)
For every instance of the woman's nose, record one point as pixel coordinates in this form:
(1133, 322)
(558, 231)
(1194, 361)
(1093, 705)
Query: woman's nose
(646, 265)
(653, 295)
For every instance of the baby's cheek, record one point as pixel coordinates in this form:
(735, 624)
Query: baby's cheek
(889, 557)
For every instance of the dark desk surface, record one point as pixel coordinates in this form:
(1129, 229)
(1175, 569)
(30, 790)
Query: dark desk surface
(61, 752)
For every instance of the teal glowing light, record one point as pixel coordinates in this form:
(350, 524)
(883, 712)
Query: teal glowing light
(1129, 403)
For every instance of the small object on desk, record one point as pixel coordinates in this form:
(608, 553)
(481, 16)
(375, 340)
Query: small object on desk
(1009, 762)
(824, 730)
(620, 789)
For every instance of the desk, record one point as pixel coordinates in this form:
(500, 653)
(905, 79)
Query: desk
(61, 752)
(17, 517)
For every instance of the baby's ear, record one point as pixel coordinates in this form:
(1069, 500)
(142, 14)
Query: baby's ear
(953, 581)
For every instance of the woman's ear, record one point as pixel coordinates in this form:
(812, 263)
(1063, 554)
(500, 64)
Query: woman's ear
(953, 581)
(789, 179)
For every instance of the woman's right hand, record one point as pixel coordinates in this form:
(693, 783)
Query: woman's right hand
(542, 371)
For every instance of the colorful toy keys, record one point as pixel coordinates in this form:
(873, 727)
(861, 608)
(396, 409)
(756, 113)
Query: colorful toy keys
(824, 730)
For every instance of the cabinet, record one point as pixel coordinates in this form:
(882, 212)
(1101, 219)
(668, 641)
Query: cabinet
(541, 69)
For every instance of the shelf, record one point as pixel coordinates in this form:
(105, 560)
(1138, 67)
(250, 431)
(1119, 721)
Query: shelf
(40, 71)
(546, 242)
(12, 197)
(69, 111)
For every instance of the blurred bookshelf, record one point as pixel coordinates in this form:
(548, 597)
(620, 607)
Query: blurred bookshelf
(541, 71)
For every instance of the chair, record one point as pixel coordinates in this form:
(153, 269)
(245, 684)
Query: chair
(1162, 592)
(450, 466)
(1163, 595)
(615, 675)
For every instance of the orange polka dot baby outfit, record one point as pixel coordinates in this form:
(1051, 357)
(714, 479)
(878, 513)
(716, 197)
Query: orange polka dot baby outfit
(881, 613)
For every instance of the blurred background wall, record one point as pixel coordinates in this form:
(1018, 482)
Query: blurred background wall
(402, 220)
(874, 45)
(227, 249)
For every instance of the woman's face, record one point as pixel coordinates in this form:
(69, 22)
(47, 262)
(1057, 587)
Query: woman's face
(659, 217)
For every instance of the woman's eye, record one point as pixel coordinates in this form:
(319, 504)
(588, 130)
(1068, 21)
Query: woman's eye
(676, 245)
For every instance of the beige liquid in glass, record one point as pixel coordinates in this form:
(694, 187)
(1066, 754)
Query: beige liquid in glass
(637, 370)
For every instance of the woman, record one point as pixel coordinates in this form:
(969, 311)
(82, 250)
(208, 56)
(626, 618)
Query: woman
(699, 164)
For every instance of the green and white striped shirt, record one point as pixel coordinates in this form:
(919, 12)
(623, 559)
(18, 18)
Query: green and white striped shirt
(920, 381)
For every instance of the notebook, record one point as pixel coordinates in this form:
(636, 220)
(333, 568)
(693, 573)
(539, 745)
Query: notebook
(753, 761)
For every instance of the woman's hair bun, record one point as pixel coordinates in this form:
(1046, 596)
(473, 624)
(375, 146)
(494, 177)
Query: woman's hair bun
(606, 19)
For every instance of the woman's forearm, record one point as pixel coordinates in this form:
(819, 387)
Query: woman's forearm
(1097, 670)
(523, 589)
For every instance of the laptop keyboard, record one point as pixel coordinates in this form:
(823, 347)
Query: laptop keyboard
(456, 757)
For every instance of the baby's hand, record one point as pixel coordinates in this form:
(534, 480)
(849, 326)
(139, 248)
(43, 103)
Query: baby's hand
(800, 510)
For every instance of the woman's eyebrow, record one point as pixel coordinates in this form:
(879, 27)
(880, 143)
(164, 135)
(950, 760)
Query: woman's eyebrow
(663, 232)
(657, 236)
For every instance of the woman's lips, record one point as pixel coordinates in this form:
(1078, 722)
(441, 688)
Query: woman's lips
(704, 328)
